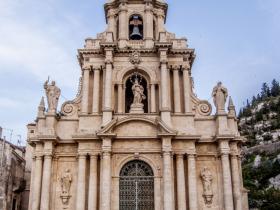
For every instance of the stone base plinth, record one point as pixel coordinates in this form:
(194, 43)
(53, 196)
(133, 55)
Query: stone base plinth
(137, 108)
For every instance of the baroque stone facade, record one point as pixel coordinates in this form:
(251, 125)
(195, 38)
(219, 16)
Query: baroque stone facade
(136, 136)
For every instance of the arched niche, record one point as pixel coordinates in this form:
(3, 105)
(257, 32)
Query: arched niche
(129, 80)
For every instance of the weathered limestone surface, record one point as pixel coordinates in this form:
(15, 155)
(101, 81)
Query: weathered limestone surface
(136, 105)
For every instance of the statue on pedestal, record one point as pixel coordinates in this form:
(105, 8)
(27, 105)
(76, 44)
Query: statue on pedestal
(139, 96)
(220, 94)
(207, 179)
(53, 94)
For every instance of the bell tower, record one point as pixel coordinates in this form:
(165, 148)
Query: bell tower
(136, 20)
(136, 136)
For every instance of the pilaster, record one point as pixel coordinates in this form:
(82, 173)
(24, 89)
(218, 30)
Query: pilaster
(168, 190)
(93, 185)
(85, 89)
(107, 111)
(123, 24)
(96, 90)
(81, 181)
(106, 174)
(227, 181)
(192, 181)
(36, 196)
(181, 185)
(164, 85)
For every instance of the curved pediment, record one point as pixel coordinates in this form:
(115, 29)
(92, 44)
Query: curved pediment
(136, 126)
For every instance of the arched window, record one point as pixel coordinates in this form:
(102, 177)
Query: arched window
(135, 27)
(130, 96)
(136, 186)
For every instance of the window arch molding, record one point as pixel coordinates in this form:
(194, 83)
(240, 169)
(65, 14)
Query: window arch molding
(149, 74)
(150, 162)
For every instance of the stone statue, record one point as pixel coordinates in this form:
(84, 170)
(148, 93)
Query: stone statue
(53, 94)
(220, 95)
(65, 182)
(138, 92)
(207, 179)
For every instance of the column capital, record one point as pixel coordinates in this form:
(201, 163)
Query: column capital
(93, 155)
(180, 154)
(38, 156)
(108, 61)
(163, 61)
(86, 68)
(186, 67)
(48, 155)
(82, 154)
(191, 155)
(123, 7)
(96, 68)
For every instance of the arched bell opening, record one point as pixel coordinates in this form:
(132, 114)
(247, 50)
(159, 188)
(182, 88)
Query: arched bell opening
(136, 28)
(136, 187)
(130, 90)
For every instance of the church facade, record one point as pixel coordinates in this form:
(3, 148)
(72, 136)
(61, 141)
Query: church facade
(136, 137)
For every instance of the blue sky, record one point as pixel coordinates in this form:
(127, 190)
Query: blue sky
(236, 42)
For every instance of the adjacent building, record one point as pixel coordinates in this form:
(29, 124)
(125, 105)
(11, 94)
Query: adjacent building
(136, 137)
(12, 182)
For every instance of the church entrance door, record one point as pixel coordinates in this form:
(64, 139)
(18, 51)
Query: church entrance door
(136, 186)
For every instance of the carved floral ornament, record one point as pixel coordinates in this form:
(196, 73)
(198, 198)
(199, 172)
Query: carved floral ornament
(135, 58)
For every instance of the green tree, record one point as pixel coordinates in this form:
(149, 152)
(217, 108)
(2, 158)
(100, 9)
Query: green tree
(275, 88)
(265, 91)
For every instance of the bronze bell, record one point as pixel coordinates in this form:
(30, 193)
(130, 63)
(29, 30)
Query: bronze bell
(136, 35)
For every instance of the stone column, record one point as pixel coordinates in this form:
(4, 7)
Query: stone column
(85, 90)
(107, 112)
(106, 175)
(120, 98)
(192, 183)
(181, 185)
(161, 18)
(96, 91)
(123, 24)
(187, 89)
(46, 183)
(81, 186)
(168, 199)
(149, 24)
(153, 98)
(32, 183)
(227, 186)
(236, 182)
(176, 89)
(37, 182)
(111, 22)
(157, 193)
(165, 92)
(92, 192)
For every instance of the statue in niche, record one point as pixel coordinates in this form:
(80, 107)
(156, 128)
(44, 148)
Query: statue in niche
(138, 95)
(65, 183)
(207, 179)
(53, 94)
(220, 94)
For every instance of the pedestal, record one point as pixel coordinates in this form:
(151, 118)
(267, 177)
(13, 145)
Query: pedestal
(136, 109)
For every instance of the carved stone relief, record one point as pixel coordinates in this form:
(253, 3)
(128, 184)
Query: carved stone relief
(207, 178)
(65, 183)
